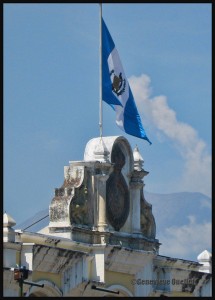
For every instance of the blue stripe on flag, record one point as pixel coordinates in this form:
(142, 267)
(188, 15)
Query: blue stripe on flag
(132, 121)
(107, 47)
(116, 90)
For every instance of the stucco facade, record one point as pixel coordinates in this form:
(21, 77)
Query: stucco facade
(101, 238)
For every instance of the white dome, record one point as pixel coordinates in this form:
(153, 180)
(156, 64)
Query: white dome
(8, 221)
(204, 256)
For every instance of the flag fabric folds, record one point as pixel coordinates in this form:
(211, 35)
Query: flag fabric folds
(116, 90)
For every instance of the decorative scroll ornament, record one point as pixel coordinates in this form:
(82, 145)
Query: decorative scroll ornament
(74, 175)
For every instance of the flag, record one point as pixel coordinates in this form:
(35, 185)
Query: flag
(116, 90)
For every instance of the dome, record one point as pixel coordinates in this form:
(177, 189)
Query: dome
(204, 256)
(8, 221)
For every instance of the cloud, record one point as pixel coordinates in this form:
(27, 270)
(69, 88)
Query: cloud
(193, 150)
(187, 240)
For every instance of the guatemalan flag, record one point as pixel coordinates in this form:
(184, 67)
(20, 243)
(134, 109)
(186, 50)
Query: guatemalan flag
(116, 90)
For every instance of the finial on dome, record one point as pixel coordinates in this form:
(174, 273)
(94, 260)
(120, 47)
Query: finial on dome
(138, 160)
(8, 221)
(8, 231)
(205, 258)
(101, 152)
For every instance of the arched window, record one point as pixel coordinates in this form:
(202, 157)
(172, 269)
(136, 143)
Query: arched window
(49, 290)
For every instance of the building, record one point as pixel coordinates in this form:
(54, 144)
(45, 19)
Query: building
(101, 238)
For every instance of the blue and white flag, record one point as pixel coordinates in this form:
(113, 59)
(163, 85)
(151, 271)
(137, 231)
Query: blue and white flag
(116, 90)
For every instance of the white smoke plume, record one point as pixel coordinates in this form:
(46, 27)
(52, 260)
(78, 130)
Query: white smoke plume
(156, 112)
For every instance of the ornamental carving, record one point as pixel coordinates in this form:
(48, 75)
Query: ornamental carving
(73, 175)
(79, 208)
(147, 221)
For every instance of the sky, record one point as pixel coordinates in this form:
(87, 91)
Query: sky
(51, 94)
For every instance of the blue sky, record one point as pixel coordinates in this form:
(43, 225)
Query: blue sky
(51, 94)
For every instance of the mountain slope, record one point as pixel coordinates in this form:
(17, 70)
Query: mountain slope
(169, 209)
(183, 223)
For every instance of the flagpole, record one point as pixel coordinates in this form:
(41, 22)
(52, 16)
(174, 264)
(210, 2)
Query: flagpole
(100, 100)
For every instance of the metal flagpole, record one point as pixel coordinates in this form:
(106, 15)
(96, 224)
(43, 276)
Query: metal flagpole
(100, 101)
